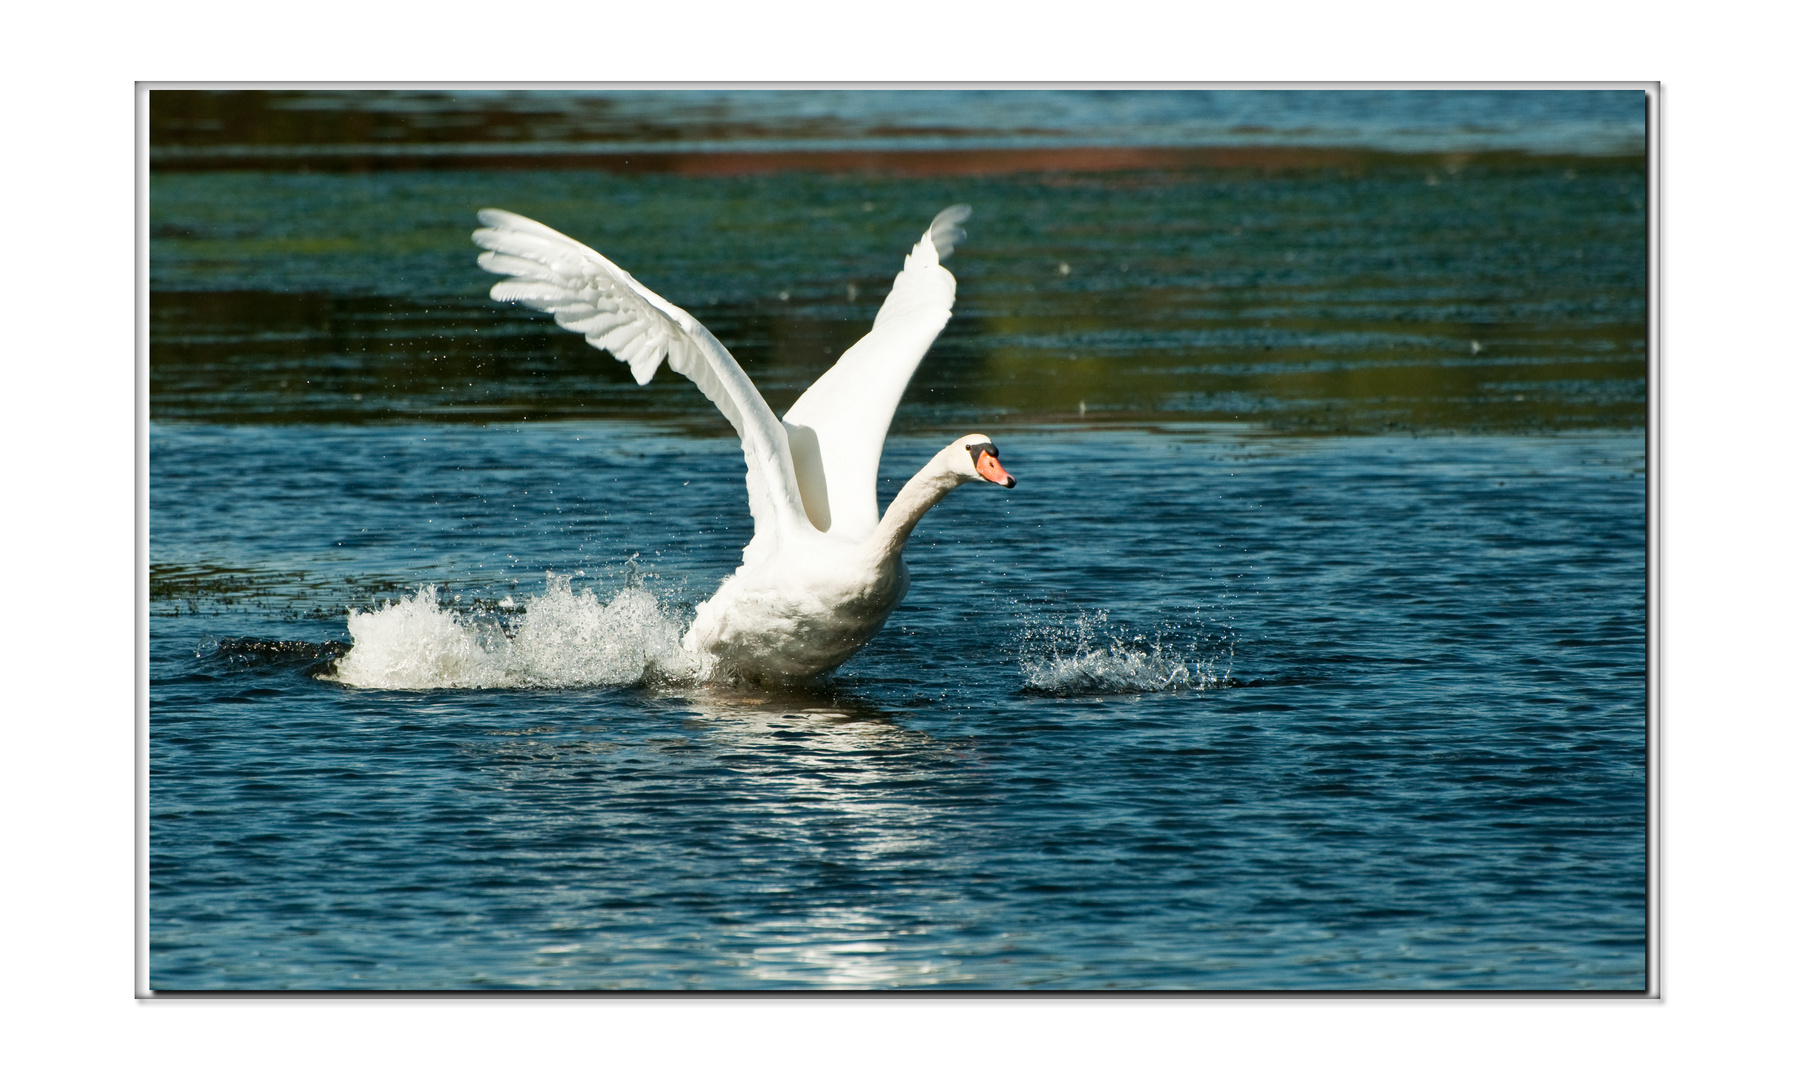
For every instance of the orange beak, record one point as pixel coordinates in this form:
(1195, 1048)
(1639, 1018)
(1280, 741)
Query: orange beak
(989, 469)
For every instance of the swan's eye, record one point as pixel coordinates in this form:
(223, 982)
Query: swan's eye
(975, 449)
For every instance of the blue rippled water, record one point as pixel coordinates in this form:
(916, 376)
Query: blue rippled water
(1406, 750)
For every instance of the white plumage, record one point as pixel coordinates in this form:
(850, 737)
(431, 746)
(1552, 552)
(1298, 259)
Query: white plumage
(824, 569)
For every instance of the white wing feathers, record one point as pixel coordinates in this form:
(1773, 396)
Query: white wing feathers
(837, 428)
(590, 295)
(820, 467)
(585, 292)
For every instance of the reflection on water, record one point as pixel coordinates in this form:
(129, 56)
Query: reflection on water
(855, 773)
(786, 788)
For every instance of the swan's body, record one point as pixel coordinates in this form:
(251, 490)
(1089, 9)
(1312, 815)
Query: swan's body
(824, 569)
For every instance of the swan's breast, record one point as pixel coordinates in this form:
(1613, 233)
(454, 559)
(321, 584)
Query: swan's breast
(793, 617)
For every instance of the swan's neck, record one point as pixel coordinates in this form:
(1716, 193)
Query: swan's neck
(929, 486)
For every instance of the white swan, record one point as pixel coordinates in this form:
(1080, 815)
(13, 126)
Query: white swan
(824, 569)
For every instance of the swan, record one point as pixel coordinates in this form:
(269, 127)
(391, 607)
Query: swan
(824, 569)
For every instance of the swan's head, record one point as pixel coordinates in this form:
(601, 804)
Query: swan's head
(978, 461)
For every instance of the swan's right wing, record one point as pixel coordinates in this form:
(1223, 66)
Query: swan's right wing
(837, 429)
(590, 295)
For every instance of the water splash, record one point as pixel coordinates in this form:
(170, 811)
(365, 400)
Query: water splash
(560, 639)
(1085, 654)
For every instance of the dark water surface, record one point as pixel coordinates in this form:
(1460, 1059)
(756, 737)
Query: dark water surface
(318, 127)
(1308, 654)
(1505, 298)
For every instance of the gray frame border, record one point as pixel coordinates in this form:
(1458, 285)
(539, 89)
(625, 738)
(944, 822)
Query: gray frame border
(141, 568)
(1654, 544)
(1654, 585)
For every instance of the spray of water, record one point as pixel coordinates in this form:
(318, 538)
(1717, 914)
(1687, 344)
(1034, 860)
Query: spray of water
(1086, 654)
(569, 638)
(561, 638)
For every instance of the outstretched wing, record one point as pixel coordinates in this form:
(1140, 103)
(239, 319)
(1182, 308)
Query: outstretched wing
(837, 429)
(590, 295)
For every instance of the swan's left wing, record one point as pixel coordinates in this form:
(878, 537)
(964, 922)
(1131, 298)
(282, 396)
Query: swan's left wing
(837, 429)
(590, 295)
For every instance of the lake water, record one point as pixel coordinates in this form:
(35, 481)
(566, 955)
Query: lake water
(1309, 652)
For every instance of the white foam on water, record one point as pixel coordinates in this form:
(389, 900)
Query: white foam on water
(562, 639)
(1086, 655)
